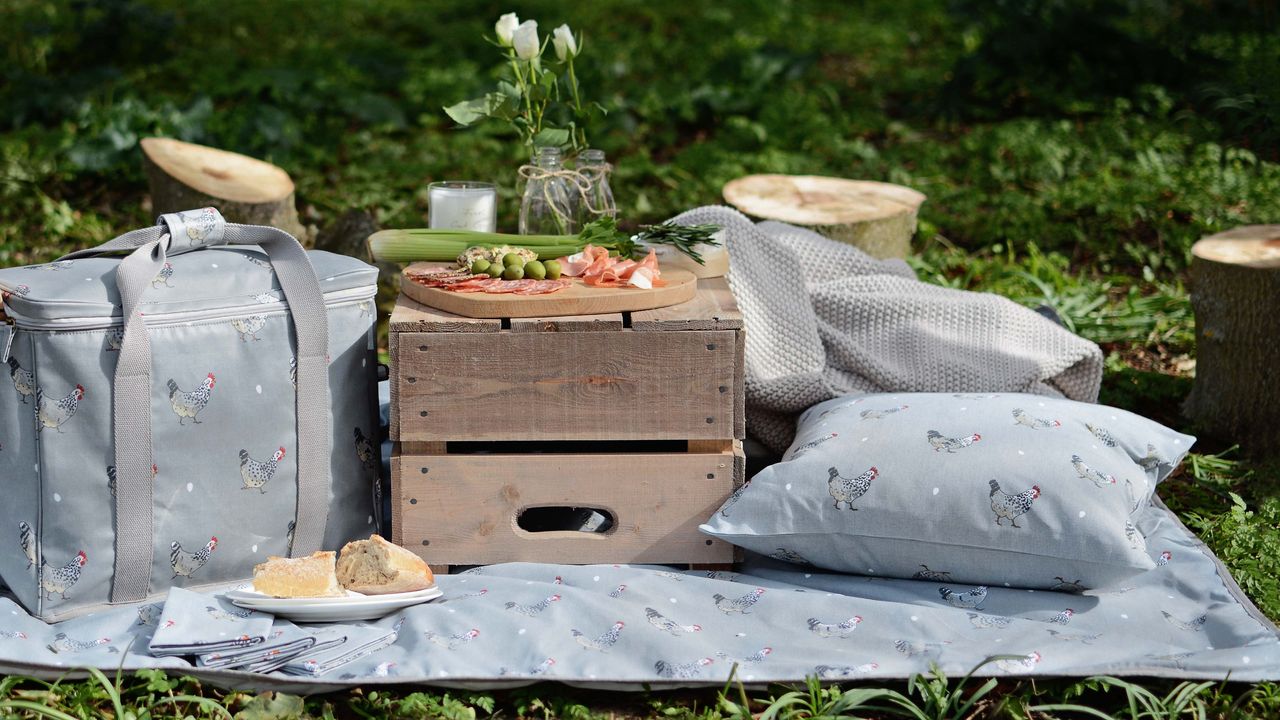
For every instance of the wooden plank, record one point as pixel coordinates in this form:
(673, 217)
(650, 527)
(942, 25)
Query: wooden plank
(568, 323)
(466, 507)
(393, 353)
(578, 298)
(713, 308)
(411, 316)
(740, 386)
(566, 386)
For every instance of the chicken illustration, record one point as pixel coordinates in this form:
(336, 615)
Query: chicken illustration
(1164, 558)
(951, 445)
(1062, 618)
(986, 622)
(733, 499)
(971, 599)
(1194, 625)
(258, 261)
(27, 540)
(924, 573)
(617, 592)
(535, 609)
(1104, 435)
(1083, 639)
(13, 635)
(835, 672)
(1133, 536)
(602, 643)
(878, 414)
(257, 473)
(1011, 507)
(228, 615)
(186, 563)
(1097, 477)
(189, 404)
(54, 414)
(115, 339)
(790, 556)
(738, 605)
(19, 290)
(366, 308)
(673, 577)
(1065, 585)
(385, 669)
(453, 642)
(149, 614)
(755, 657)
(1131, 495)
(56, 265)
(162, 277)
(841, 629)
(23, 382)
(681, 671)
(846, 490)
(667, 625)
(1151, 461)
(1020, 417)
(249, 327)
(63, 644)
(467, 596)
(1020, 665)
(913, 648)
(293, 372)
(60, 579)
(543, 666)
(364, 451)
(806, 447)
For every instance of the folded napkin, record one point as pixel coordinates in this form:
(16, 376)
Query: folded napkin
(285, 642)
(196, 624)
(354, 642)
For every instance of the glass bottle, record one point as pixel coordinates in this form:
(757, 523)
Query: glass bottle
(551, 201)
(599, 196)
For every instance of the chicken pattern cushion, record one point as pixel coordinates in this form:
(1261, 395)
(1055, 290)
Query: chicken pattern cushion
(1009, 490)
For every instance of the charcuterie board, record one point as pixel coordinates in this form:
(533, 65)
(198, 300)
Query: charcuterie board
(577, 299)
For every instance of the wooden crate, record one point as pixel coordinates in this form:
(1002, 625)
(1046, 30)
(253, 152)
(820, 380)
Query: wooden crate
(560, 387)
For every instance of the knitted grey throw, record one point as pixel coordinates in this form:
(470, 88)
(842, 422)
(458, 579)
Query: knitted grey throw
(825, 319)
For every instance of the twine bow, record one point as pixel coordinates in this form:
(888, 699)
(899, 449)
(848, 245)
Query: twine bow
(582, 179)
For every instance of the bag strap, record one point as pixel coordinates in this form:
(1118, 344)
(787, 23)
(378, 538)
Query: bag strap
(131, 404)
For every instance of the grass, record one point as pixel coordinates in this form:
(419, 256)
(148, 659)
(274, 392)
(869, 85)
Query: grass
(1062, 172)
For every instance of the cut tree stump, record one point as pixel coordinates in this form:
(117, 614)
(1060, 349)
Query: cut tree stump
(879, 218)
(1236, 297)
(245, 190)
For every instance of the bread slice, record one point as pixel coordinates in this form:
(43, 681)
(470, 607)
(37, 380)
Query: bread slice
(298, 577)
(378, 567)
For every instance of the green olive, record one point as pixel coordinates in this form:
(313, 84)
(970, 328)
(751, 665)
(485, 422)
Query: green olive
(495, 270)
(513, 272)
(535, 270)
(479, 266)
(553, 269)
(512, 260)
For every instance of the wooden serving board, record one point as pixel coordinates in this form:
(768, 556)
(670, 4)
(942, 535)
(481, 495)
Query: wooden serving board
(577, 299)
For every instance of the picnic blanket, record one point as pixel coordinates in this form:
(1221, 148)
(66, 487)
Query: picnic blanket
(623, 626)
(825, 319)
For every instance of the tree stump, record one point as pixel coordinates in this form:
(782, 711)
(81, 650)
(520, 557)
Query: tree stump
(1236, 297)
(245, 190)
(879, 218)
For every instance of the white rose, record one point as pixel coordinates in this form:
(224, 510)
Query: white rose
(505, 26)
(525, 40)
(566, 46)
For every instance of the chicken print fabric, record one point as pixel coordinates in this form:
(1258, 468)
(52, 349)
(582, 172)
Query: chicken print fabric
(999, 490)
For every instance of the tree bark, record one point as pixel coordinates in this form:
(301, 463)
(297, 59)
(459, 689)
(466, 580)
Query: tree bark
(183, 176)
(879, 218)
(1236, 297)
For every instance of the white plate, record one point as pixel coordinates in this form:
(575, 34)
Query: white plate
(332, 609)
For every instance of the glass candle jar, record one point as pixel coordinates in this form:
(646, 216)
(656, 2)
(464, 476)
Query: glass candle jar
(462, 205)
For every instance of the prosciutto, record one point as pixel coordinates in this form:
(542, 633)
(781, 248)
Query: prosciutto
(597, 269)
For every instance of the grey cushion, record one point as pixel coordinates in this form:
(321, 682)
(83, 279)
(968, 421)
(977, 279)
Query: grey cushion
(1009, 489)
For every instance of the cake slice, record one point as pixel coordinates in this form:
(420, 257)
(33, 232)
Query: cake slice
(378, 567)
(300, 577)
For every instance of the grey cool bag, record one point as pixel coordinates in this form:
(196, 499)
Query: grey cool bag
(174, 415)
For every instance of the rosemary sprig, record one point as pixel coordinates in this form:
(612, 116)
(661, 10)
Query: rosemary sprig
(683, 237)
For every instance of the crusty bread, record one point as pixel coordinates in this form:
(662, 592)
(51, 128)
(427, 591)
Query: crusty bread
(298, 577)
(378, 567)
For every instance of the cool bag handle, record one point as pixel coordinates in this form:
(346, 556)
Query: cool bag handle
(131, 404)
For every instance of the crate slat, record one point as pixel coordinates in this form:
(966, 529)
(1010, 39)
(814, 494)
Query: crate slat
(566, 386)
(410, 316)
(462, 509)
(568, 323)
(713, 308)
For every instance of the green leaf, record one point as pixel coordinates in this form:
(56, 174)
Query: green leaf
(468, 112)
(551, 137)
(272, 706)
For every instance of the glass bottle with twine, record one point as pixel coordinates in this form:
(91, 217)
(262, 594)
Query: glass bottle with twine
(597, 200)
(552, 195)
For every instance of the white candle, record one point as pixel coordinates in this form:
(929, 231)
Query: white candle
(463, 205)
